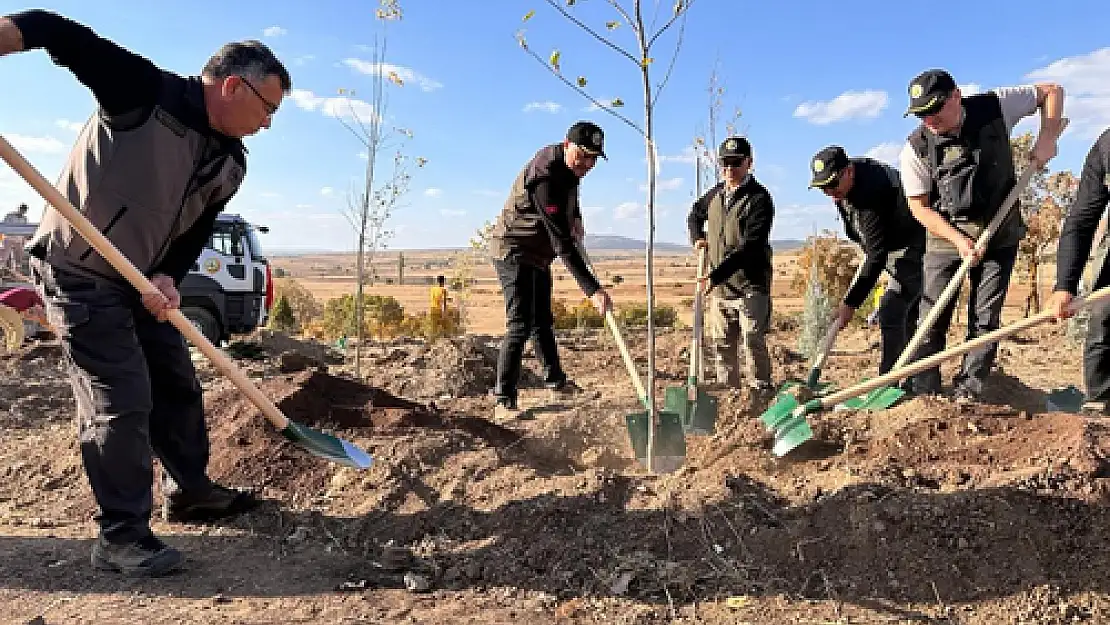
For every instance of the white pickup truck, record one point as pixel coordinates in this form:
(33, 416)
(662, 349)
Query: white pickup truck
(229, 290)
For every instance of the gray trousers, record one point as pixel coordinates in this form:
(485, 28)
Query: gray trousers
(990, 280)
(738, 339)
(137, 395)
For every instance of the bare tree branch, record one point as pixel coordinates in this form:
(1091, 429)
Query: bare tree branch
(670, 22)
(624, 14)
(582, 91)
(592, 32)
(674, 57)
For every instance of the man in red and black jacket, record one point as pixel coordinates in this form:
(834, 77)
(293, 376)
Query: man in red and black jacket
(542, 220)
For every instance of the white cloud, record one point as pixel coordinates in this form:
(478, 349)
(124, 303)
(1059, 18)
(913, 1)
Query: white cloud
(433, 192)
(488, 193)
(335, 106)
(1086, 82)
(848, 105)
(798, 221)
(592, 210)
(628, 210)
(887, 152)
(327, 191)
(452, 212)
(275, 31)
(269, 195)
(363, 156)
(69, 125)
(668, 184)
(43, 145)
(304, 206)
(543, 107)
(304, 59)
(406, 74)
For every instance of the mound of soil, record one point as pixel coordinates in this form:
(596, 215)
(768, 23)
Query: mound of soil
(248, 451)
(463, 366)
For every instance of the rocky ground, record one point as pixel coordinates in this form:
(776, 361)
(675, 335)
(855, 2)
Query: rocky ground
(928, 512)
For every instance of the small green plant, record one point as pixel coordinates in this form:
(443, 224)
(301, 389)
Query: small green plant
(281, 317)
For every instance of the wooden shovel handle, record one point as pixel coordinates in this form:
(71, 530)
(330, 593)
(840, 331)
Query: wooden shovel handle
(699, 316)
(128, 270)
(980, 245)
(931, 361)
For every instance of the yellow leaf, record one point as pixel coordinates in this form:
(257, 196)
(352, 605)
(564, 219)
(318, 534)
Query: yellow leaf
(581, 81)
(555, 60)
(528, 15)
(395, 79)
(612, 25)
(736, 602)
(648, 61)
(617, 103)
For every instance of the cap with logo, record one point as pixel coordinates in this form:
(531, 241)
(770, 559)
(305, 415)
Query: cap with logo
(734, 147)
(589, 137)
(928, 91)
(826, 164)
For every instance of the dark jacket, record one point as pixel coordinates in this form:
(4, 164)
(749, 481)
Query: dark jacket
(877, 217)
(535, 224)
(738, 231)
(1078, 232)
(147, 170)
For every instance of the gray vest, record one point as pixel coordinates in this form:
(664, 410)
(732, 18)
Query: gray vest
(142, 179)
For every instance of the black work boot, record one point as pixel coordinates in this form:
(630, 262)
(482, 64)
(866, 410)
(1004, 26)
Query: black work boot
(145, 557)
(218, 502)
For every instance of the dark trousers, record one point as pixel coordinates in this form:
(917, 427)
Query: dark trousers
(137, 395)
(990, 280)
(899, 305)
(527, 293)
(1096, 347)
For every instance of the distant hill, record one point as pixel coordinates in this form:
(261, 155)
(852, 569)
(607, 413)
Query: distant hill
(617, 242)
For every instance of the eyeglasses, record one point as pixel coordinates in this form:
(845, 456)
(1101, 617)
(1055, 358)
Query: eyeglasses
(271, 108)
(734, 161)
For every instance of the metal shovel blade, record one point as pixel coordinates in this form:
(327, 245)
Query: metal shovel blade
(698, 415)
(789, 430)
(326, 446)
(879, 399)
(670, 440)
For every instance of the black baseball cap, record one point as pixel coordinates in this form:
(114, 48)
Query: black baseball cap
(826, 164)
(589, 137)
(928, 91)
(734, 147)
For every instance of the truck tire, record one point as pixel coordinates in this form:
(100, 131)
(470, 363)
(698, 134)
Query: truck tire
(205, 322)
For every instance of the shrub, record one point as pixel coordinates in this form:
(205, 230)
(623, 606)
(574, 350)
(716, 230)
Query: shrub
(281, 317)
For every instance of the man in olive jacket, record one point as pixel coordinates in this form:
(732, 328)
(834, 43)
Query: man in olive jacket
(733, 221)
(151, 169)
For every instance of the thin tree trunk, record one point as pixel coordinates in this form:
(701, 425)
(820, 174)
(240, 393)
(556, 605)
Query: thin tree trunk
(650, 206)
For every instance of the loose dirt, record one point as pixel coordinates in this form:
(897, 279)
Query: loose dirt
(930, 511)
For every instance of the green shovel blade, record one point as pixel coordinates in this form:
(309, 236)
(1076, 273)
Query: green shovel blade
(326, 446)
(670, 440)
(779, 412)
(699, 416)
(791, 435)
(879, 399)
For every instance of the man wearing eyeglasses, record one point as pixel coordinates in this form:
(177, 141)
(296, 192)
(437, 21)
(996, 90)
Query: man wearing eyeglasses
(869, 199)
(957, 169)
(152, 167)
(733, 222)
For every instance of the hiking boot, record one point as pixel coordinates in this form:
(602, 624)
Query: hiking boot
(145, 557)
(218, 502)
(566, 389)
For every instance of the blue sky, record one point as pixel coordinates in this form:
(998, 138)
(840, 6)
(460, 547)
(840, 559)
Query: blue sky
(804, 74)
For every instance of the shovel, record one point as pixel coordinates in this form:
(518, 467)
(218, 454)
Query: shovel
(315, 442)
(696, 409)
(789, 424)
(660, 443)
